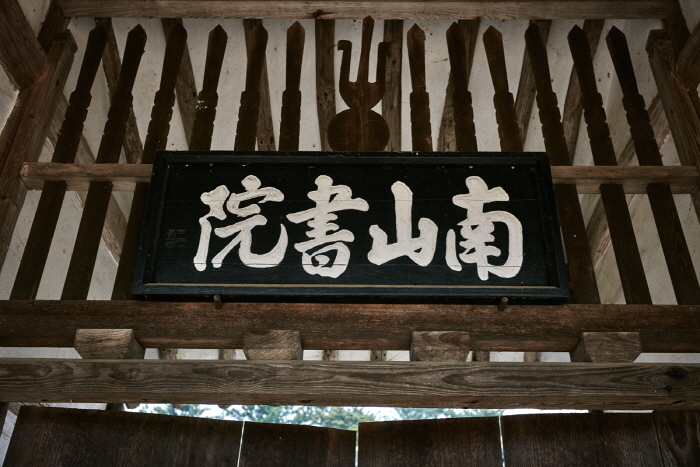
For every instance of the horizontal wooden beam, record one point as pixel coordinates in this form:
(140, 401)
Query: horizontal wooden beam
(683, 179)
(392, 384)
(378, 9)
(555, 328)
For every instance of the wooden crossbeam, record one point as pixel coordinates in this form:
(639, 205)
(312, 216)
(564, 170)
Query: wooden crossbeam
(634, 179)
(21, 55)
(555, 328)
(397, 384)
(688, 63)
(382, 9)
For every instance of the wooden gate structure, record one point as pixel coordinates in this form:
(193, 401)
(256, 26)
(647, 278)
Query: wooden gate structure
(110, 335)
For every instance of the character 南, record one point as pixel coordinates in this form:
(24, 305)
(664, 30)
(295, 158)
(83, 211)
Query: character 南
(243, 230)
(477, 231)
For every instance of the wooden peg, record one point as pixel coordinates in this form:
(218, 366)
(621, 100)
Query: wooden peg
(108, 343)
(272, 344)
(608, 347)
(503, 304)
(443, 346)
(218, 304)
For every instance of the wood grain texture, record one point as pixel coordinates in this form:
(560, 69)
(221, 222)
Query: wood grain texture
(325, 77)
(391, 103)
(384, 9)
(678, 433)
(107, 343)
(32, 129)
(688, 63)
(457, 442)
(554, 328)
(203, 442)
(587, 179)
(441, 346)
(462, 110)
(111, 65)
(185, 88)
(297, 445)
(21, 55)
(391, 384)
(265, 135)
(624, 440)
(603, 347)
(123, 438)
(272, 345)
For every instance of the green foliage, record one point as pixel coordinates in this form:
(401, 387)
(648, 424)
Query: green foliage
(426, 414)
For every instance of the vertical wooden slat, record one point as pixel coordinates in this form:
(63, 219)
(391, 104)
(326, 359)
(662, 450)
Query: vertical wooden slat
(112, 64)
(422, 139)
(291, 97)
(43, 227)
(54, 22)
(391, 103)
(185, 88)
(525, 99)
(35, 119)
(463, 113)
(325, 77)
(446, 136)
(668, 224)
(572, 104)
(678, 432)
(248, 112)
(87, 242)
(629, 260)
(265, 133)
(21, 56)
(203, 442)
(585, 288)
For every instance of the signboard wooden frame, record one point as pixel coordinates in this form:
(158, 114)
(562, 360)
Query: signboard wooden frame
(260, 226)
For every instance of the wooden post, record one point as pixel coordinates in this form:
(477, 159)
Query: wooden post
(442, 346)
(325, 77)
(21, 55)
(185, 87)
(272, 345)
(265, 133)
(607, 347)
(391, 103)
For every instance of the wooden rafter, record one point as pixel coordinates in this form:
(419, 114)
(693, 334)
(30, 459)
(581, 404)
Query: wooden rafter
(21, 55)
(382, 9)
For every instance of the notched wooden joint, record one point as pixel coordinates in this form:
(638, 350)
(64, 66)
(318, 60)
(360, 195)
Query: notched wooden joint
(272, 344)
(608, 347)
(442, 346)
(108, 344)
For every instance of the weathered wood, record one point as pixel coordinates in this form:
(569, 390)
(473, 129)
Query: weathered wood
(291, 97)
(87, 242)
(265, 135)
(530, 357)
(421, 136)
(330, 355)
(678, 433)
(634, 179)
(21, 55)
(112, 65)
(249, 109)
(570, 217)
(625, 440)
(509, 123)
(51, 323)
(573, 110)
(608, 347)
(186, 89)
(465, 442)
(688, 63)
(391, 384)
(107, 343)
(298, 445)
(442, 346)
(383, 9)
(41, 234)
(463, 113)
(526, 87)
(446, 136)
(272, 344)
(203, 442)
(34, 122)
(325, 77)
(391, 103)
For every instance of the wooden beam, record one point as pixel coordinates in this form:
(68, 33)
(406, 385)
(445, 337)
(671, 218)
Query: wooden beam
(31, 133)
(21, 55)
(688, 63)
(634, 179)
(442, 346)
(554, 328)
(107, 344)
(381, 9)
(272, 344)
(389, 384)
(185, 88)
(608, 347)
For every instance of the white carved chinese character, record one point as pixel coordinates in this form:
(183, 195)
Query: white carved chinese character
(324, 231)
(477, 230)
(420, 250)
(215, 200)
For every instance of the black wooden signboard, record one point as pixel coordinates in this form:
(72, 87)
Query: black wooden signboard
(384, 227)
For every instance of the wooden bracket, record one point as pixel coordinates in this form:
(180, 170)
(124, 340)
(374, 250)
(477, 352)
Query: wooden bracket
(272, 344)
(443, 346)
(607, 347)
(108, 344)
